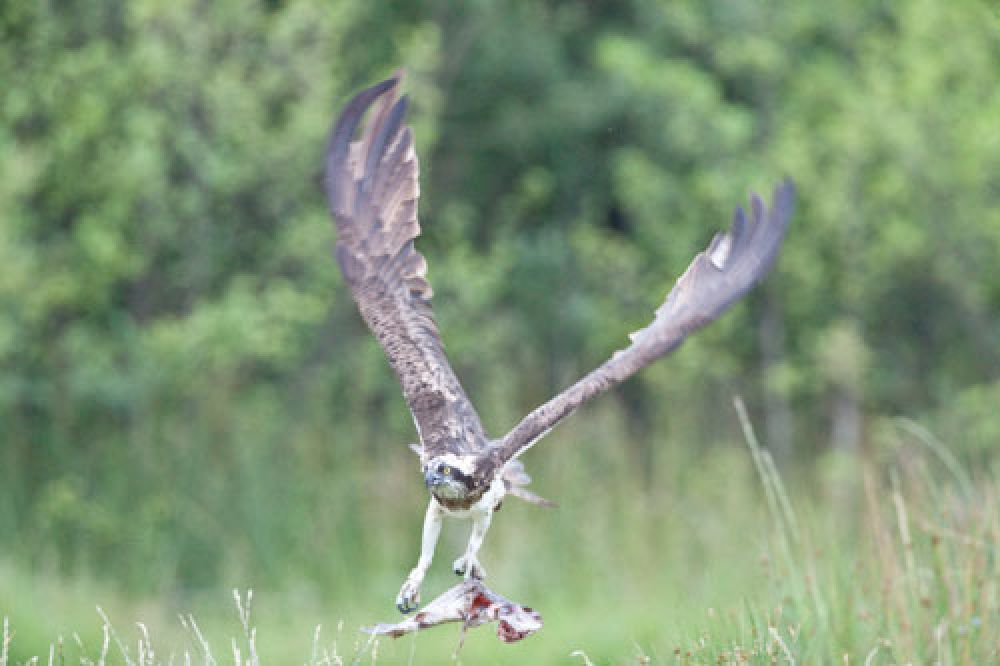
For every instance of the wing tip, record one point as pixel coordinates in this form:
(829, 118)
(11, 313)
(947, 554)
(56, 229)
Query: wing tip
(784, 199)
(782, 202)
(344, 128)
(349, 119)
(391, 112)
(785, 188)
(757, 208)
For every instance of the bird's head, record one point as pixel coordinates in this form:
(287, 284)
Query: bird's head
(449, 476)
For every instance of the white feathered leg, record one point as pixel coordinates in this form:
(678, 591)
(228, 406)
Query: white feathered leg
(409, 593)
(468, 565)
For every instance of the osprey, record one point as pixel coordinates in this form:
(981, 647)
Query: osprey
(372, 190)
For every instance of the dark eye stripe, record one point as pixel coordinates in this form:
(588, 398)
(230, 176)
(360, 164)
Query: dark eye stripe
(454, 472)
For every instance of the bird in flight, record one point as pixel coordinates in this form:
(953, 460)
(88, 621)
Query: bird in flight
(371, 182)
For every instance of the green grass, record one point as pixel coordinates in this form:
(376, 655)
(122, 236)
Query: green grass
(868, 562)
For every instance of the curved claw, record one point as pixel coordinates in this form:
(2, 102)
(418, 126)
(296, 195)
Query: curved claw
(469, 567)
(408, 599)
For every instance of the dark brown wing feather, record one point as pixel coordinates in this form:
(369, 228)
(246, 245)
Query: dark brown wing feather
(372, 188)
(717, 277)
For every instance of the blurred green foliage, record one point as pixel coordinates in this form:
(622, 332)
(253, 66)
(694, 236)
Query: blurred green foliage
(185, 385)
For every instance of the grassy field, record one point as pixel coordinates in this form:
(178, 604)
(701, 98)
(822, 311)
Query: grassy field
(885, 561)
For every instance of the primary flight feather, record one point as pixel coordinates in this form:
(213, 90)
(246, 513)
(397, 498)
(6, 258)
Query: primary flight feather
(372, 188)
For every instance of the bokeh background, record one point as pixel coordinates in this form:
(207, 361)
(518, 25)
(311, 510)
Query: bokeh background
(189, 401)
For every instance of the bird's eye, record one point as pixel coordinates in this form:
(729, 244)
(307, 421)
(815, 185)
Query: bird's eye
(446, 470)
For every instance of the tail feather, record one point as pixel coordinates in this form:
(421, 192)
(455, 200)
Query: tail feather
(523, 493)
(515, 479)
(514, 473)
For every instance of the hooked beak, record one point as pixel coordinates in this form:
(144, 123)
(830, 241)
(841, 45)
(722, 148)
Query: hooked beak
(432, 478)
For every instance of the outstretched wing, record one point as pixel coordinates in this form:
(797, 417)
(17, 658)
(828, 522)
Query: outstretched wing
(717, 278)
(372, 189)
